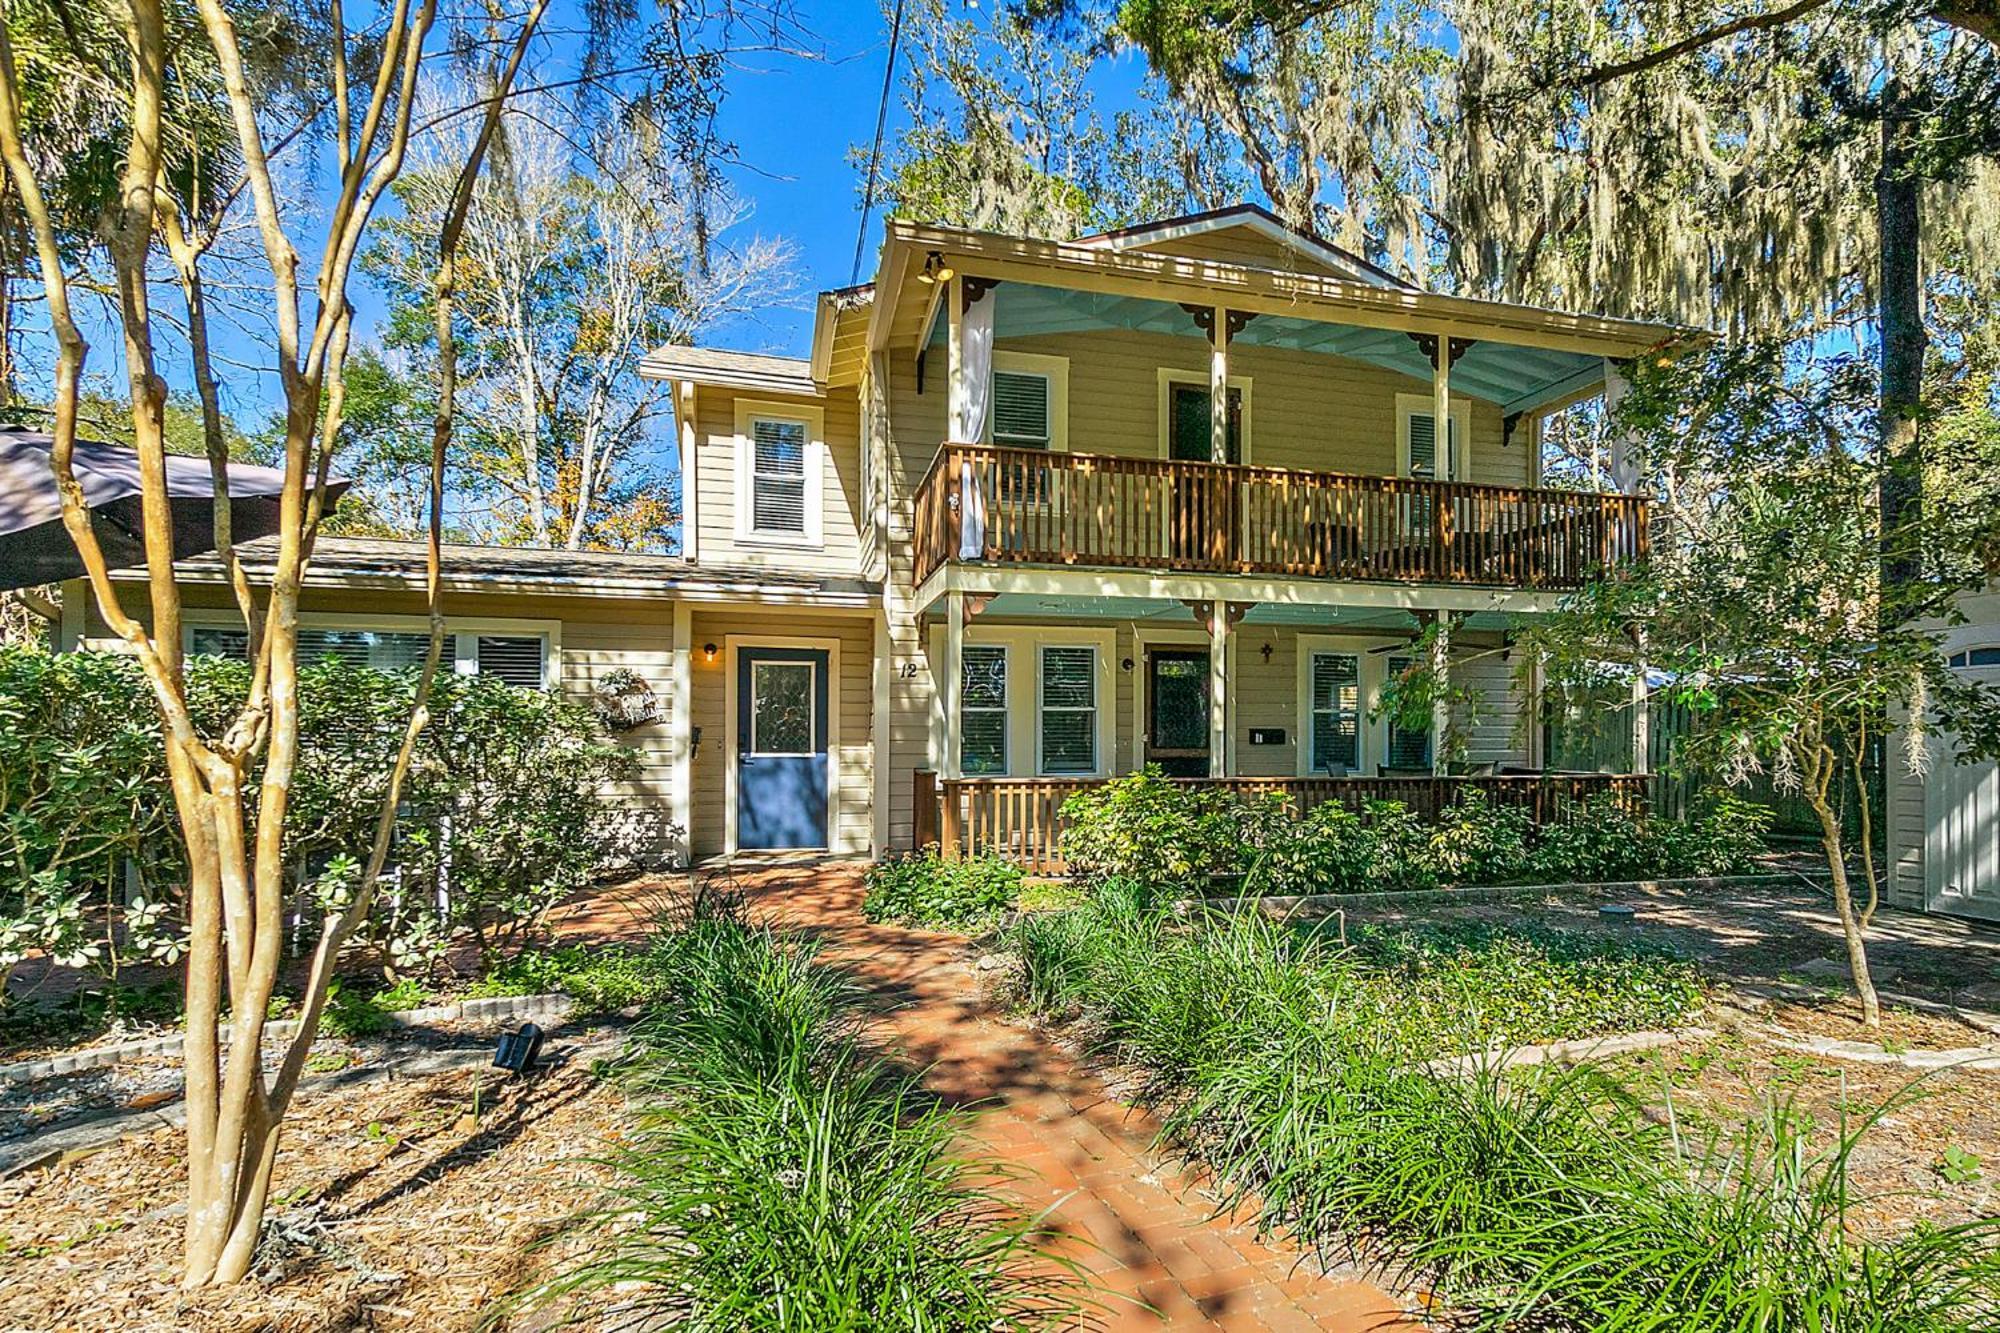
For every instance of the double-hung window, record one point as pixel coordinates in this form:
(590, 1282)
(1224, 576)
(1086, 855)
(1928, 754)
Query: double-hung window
(1335, 682)
(778, 477)
(1069, 709)
(518, 659)
(983, 712)
(1021, 410)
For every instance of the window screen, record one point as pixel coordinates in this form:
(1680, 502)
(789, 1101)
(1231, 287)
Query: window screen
(778, 476)
(517, 659)
(1020, 410)
(983, 712)
(1336, 712)
(1069, 710)
(1408, 748)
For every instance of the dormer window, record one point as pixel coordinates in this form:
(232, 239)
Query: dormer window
(780, 467)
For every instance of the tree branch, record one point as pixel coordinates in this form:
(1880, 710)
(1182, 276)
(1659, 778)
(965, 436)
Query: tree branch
(1602, 74)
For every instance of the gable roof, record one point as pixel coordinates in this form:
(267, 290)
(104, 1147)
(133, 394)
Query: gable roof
(1256, 220)
(736, 370)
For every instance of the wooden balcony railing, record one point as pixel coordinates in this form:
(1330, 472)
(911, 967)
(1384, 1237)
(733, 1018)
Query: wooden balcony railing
(1021, 818)
(1026, 506)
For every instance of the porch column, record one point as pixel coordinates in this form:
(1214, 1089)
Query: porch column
(1642, 709)
(1440, 707)
(680, 707)
(952, 686)
(1218, 688)
(1441, 407)
(1218, 387)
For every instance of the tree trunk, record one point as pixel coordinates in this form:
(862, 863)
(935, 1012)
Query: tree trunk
(1899, 220)
(1843, 903)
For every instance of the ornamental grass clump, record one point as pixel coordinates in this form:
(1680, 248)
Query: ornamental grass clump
(1327, 1087)
(781, 1177)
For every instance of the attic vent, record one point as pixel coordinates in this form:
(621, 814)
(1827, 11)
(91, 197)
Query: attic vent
(516, 659)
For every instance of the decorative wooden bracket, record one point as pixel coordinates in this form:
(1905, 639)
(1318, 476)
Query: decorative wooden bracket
(974, 288)
(1428, 344)
(1234, 321)
(1203, 611)
(1507, 425)
(975, 602)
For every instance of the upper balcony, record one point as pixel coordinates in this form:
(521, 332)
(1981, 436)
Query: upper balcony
(1029, 507)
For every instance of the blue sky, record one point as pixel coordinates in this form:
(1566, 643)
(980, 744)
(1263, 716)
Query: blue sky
(793, 122)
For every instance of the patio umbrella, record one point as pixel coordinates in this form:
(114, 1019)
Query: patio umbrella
(35, 548)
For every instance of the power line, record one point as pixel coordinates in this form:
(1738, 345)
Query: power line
(875, 153)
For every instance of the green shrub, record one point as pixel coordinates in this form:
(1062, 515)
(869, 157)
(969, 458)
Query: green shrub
(600, 978)
(355, 1010)
(1147, 827)
(1540, 1197)
(924, 889)
(782, 1178)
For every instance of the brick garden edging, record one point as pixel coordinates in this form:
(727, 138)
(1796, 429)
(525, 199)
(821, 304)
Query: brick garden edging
(1322, 904)
(99, 1057)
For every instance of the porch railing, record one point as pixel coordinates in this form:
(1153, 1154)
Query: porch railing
(1021, 818)
(1028, 506)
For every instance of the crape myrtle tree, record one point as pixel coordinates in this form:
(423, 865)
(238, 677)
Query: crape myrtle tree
(177, 66)
(1767, 609)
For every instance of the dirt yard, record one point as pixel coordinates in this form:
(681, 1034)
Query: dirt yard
(394, 1208)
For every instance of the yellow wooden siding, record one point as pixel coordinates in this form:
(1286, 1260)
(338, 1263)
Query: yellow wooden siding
(852, 696)
(715, 478)
(1307, 410)
(915, 428)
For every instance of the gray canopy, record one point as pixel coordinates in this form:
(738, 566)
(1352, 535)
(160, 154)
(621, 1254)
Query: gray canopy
(35, 548)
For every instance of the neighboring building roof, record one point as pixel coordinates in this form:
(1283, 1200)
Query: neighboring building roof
(735, 370)
(376, 562)
(1252, 218)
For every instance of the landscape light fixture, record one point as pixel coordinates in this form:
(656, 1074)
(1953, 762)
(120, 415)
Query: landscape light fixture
(518, 1051)
(935, 269)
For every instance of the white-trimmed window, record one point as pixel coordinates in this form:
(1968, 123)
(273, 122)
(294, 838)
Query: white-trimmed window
(1334, 680)
(1068, 709)
(983, 711)
(778, 477)
(1021, 410)
(1417, 443)
(780, 469)
(520, 659)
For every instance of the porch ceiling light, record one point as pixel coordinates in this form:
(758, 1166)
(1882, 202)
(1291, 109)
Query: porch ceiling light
(935, 269)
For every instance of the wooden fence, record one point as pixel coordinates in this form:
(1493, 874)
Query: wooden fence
(1021, 818)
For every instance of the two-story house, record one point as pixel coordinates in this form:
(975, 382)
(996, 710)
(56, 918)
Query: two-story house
(1035, 513)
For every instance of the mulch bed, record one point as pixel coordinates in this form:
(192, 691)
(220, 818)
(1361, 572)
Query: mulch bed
(393, 1209)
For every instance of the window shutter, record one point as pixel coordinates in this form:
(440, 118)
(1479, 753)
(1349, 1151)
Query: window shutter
(778, 476)
(1020, 410)
(516, 659)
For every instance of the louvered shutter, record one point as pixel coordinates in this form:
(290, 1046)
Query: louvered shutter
(1020, 410)
(514, 658)
(778, 476)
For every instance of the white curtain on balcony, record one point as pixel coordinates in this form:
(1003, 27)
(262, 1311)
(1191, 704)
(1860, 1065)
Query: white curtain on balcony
(975, 400)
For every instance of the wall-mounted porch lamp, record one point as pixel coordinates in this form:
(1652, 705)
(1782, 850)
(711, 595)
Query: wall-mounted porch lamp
(935, 269)
(708, 653)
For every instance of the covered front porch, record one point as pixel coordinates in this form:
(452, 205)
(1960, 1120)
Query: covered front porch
(1047, 690)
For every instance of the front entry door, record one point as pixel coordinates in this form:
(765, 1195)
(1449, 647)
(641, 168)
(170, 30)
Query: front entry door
(781, 770)
(1177, 712)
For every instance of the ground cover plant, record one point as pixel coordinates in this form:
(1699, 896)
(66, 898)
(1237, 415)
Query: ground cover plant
(1145, 827)
(1539, 1196)
(783, 1177)
(924, 889)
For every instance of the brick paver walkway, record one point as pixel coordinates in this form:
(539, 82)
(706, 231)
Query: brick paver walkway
(1137, 1225)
